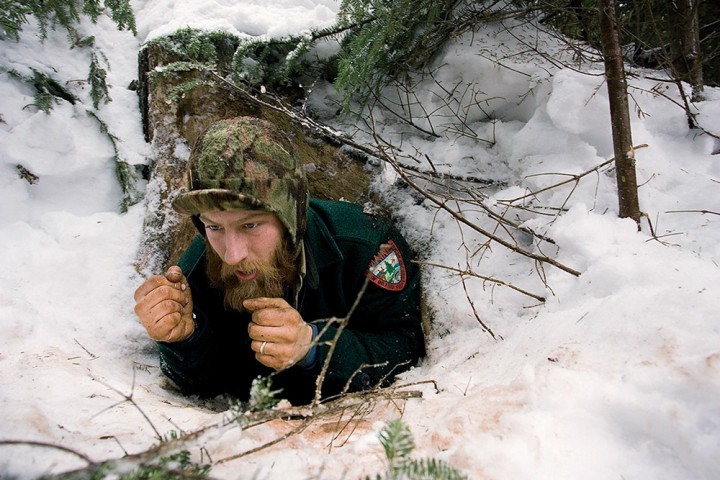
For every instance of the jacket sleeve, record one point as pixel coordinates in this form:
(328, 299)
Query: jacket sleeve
(188, 363)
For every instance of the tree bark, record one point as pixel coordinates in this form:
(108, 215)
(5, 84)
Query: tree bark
(629, 205)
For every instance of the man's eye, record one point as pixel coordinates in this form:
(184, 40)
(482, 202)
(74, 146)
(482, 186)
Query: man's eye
(212, 228)
(250, 226)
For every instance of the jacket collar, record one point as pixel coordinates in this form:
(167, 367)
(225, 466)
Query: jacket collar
(320, 249)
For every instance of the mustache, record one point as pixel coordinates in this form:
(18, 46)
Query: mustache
(227, 272)
(272, 279)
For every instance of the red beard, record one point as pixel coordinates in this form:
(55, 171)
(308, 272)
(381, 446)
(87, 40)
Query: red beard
(271, 281)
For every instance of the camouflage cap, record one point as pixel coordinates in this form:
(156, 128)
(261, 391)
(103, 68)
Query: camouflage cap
(245, 163)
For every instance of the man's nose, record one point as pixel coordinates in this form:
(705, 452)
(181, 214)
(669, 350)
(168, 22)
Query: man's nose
(236, 249)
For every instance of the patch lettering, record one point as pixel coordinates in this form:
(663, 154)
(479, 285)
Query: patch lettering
(387, 268)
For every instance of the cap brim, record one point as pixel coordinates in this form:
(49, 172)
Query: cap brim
(213, 200)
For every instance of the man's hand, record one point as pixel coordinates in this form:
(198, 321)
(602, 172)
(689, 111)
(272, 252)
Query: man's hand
(163, 303)
(279, 335)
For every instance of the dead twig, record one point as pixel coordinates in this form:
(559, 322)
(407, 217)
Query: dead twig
(573, 178)
(343, 323)
(449, 176)
(129, 398)
(36, 443)
(388, 158)
(475, 313)
(306, 415)
(27, 175)
(92, 355)
(470, 273)
(704, 212)
(303, 425)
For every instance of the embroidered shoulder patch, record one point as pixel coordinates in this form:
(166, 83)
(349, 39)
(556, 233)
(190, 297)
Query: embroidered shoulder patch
(387, 269)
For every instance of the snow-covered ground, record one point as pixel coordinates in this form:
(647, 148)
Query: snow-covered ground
(616, 375)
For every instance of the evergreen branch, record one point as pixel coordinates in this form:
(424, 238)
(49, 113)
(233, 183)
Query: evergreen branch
(398, 444)
(12, 16)
(124, 174)
(51, 13)
(122, 14)
(98, 86)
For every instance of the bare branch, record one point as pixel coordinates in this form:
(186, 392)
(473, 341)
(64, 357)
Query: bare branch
(36, 443)
(573, 178)
(482, 277)
(694, 211)
(477, 317)
(302, 426)
(359, 400)
(129, 398)
(461, 218)
(343, 323)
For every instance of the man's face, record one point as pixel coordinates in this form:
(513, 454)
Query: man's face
(249, 256)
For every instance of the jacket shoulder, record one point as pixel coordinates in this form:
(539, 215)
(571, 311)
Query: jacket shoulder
(348, 220)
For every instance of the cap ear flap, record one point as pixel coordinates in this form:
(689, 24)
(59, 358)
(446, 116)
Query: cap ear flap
(198, 224)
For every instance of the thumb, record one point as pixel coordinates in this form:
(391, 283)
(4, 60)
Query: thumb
(174, 274)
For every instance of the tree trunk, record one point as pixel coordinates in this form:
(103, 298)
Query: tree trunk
(619, 113)
(686, 55)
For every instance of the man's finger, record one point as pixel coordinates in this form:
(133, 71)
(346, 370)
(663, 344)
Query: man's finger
(149, 285)
(164, 327)
(261, 303)
(162, 293)
(274, 317)
(174, 274)
(166, 307)
(266, 327)
(173, 277)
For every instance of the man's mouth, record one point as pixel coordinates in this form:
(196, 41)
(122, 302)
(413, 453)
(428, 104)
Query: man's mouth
(246, 276)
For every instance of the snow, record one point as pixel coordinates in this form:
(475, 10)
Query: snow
(616, 375)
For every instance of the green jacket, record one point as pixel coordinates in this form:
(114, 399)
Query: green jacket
(382, 338)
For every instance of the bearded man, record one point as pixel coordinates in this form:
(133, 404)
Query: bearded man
(259, 292)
